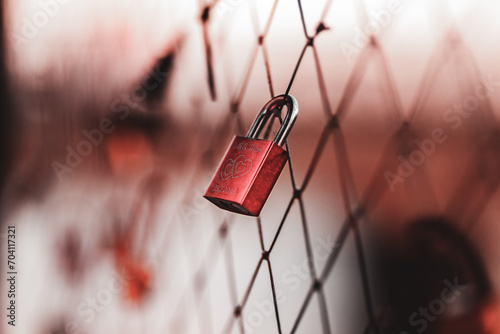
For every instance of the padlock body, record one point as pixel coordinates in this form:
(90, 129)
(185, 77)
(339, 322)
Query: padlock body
(246, 175)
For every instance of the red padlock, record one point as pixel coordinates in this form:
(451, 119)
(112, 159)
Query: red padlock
(251, 166)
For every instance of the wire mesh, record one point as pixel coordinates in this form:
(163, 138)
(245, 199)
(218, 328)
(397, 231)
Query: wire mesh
(355, 206)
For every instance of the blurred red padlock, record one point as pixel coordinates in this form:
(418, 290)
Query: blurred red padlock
(252, 166)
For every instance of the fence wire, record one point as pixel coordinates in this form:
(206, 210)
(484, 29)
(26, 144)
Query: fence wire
(355, 206)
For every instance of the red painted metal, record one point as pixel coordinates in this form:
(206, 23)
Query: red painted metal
(246, 175)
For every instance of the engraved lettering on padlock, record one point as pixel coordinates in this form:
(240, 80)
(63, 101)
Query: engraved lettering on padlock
(251, 166)
(254, 149)
(223, 189)
(236, 168)
(246, 147)
(240, 146)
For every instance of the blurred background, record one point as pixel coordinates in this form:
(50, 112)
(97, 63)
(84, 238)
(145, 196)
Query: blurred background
(116, 115)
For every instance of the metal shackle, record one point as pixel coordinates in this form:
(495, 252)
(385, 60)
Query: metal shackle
(268, 110)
